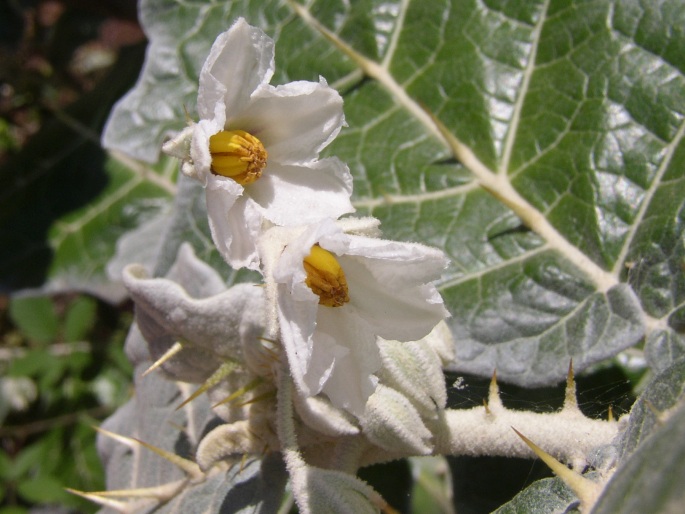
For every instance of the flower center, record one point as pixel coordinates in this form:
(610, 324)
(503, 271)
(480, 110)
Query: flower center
(326, 278)
(238, 155)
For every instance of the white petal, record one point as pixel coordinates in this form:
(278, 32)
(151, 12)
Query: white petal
(244, 226)
(297, 323)
(294, 121)
(399, 262)
(352, 381)
(296, 195)
(240, 60)
(227, 223)
(392, 296)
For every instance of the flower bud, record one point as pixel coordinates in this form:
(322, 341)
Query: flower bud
(391, 422)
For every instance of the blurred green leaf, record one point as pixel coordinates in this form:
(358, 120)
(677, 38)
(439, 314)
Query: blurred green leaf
(79, 318)
(432, 488)
(29, 457)
(43, 489)
(13, 510)
(33, 364)
(35, 316)
(5, 467)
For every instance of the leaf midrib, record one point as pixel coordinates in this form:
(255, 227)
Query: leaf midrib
(496, 184)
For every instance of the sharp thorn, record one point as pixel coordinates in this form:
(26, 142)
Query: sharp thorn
(248, 387)
(570, 399)
(221, 372)
(187, 466)
(116, 505)
(494, 400)
(586, 490)
(173, 350)
(265, 396)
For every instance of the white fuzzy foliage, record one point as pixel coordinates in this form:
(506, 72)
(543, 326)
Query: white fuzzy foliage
(391, 422)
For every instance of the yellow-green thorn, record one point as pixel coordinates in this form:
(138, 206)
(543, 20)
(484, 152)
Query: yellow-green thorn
(266, 396)
(161, 493)
(494, 400)
(175, 348)
(119, 506)
(222, 372)
(586, 490)
(485, 405)
(248, 387)
(570, 399)
(187, 466)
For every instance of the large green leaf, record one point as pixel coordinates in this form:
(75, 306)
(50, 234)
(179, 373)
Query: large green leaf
(538, 143)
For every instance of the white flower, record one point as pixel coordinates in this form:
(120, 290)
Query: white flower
(336, 292)
(267, 139)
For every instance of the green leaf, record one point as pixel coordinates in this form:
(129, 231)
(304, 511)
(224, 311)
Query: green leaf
(652, 479)
(13, 510)
(523, 138)
(6, 472)
(79, 318)
(34, 364)
(664, 393)
(543, 496)
(43, 489)
(35, 316)
(84, 241)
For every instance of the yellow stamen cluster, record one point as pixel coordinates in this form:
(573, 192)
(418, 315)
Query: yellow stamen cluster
(238, 155)
(325, 277)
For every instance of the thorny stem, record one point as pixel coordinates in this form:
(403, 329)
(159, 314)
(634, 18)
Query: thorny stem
(565, 435)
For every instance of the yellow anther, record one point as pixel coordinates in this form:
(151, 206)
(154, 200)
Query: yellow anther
(238, 155)
(325, 277)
